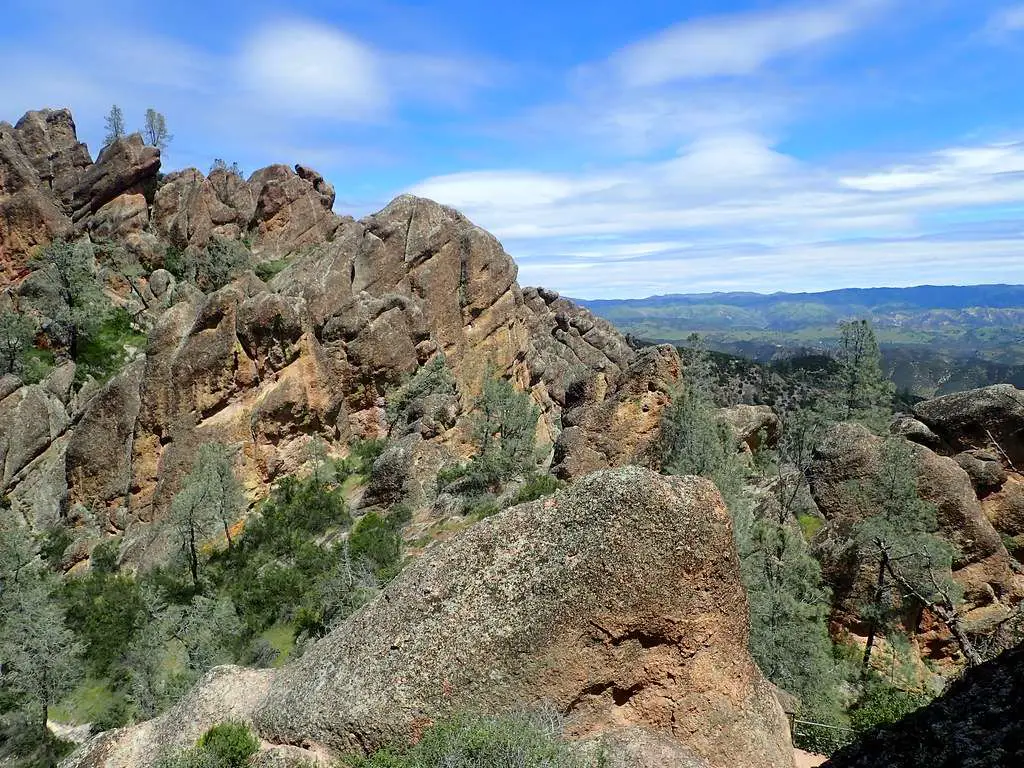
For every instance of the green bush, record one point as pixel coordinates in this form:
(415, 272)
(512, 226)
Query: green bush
(520, 740)
(883, 704)
(267, 270)
(536, 487)
(230, 744)
(101, 353)
(378, 540)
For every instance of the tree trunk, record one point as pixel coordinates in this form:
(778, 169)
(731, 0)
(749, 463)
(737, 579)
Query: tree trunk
(873, 625)
(193, 556)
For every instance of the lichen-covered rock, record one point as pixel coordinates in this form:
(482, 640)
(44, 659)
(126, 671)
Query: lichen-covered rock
(618, 601)
(754, 426)
(224, 693)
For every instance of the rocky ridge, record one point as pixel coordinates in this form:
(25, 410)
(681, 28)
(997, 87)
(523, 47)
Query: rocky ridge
(265, 367)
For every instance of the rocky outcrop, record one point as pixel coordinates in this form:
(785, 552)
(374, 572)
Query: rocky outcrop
(850, 455)
(123, 165)
(618, 601)
(359, 306)
(50, 143)
(754, 426)
(608, 423)
(976, 723)
(30, 214)
(279, 210)
(991, 418)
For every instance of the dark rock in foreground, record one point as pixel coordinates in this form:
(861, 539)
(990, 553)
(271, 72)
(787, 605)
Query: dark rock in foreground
(977, 723)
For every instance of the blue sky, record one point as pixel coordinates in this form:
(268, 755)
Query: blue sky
(617, 149)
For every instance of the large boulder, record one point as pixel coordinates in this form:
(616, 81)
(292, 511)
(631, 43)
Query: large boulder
(123, 165)
(990, 418)
(618, 601)
(850, 455)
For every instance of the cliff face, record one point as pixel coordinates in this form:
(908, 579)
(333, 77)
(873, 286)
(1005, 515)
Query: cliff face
(267, 366)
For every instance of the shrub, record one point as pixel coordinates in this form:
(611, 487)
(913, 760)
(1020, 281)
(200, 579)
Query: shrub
(525, 740)
(267, 270)
(102, 353)
(535, 487)
(230, 744)
(883, 704)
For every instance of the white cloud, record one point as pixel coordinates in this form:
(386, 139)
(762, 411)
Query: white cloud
(949, 168)
(734, 44)
(735, 208)
(314, 69)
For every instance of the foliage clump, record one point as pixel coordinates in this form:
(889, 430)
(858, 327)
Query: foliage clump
(524, 740)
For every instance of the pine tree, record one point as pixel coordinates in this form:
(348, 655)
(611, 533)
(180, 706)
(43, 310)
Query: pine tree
(81, 306)
(504, 430)
(154, 130)
(16, 332)
(900, 543)
(39, 656)
(867, 395)
(114, 122)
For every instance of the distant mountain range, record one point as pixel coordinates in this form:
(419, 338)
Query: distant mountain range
(935, 339)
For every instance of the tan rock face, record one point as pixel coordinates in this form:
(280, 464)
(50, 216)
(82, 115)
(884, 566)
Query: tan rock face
(30, 215)
(618, 601)
(50, 143)
(265, 367)
(121, 166)
(618, 422)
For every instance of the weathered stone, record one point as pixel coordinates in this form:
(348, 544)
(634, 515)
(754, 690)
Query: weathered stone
(121, 166)
(50, 142)
(618, 601)
(991, 418)
(29, 214)
(618, 424)
(755, 426)
(915, 431)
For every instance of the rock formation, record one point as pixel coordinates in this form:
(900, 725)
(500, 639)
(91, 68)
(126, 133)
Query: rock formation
(617, 601)
(981, 565)
(357, 308)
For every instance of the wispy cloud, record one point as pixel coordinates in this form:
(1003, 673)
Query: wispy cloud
(735, 202)
(1008, 19)
(735, 44)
